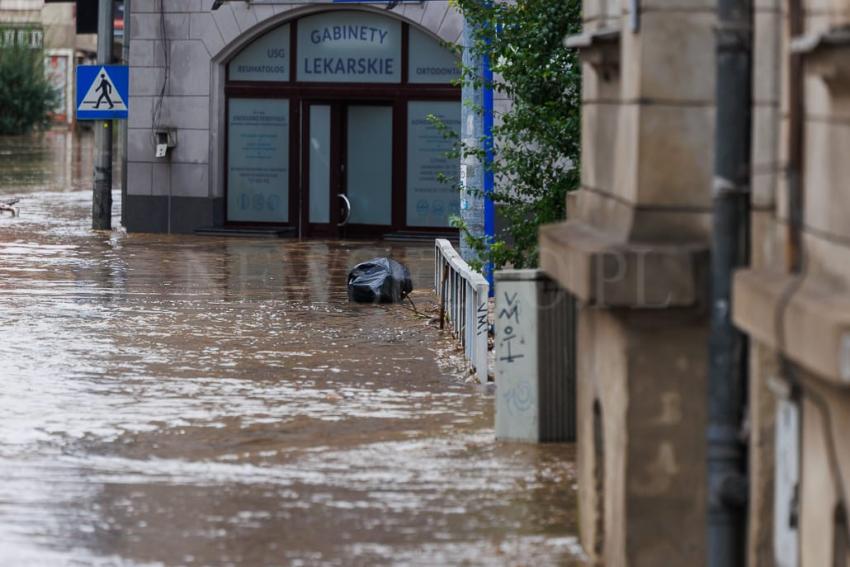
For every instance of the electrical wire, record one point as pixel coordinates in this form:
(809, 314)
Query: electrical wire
(157, 109)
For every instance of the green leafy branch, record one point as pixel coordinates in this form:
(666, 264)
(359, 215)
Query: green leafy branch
(537, 138)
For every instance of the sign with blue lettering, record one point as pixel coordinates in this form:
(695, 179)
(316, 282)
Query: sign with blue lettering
(349, 47)
(430, 62)
(266, 59)
(258, 160)
(102, 92)
(430, 200)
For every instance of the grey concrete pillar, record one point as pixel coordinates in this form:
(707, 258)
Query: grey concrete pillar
(535, 358)
(472, 171)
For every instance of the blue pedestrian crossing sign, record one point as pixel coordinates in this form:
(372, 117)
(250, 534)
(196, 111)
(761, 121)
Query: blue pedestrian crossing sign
(102, 92)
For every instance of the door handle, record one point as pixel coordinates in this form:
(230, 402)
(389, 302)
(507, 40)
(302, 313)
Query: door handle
(347, 208)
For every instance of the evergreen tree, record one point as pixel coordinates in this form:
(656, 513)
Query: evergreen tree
(26, 96)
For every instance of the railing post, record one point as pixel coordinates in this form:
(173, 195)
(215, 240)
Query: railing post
(444, 291)
(482, 308)
(464, 302)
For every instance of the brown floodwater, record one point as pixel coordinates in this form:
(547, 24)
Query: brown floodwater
(182, 400)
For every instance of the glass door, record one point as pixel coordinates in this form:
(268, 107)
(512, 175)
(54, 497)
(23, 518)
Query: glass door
(369, 165)
(347, 154)
(321, 205)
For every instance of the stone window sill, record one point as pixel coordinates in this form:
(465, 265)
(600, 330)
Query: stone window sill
(816, 321)
(603, 272)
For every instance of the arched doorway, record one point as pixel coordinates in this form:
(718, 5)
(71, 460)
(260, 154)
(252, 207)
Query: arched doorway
(328, 128)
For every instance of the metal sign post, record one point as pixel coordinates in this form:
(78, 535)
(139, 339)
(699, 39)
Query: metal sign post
(102, 198)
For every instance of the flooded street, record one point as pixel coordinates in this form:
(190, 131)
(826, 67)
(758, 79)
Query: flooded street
(188, 400)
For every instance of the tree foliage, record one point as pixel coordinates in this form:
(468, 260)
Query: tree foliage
(26, 96)
(536, 143)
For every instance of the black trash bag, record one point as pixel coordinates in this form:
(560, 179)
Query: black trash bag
(380, 280)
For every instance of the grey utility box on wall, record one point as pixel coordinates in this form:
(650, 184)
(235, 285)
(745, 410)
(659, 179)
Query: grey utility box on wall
(535, 358)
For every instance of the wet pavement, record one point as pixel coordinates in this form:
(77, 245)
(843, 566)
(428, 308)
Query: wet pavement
(179, 400)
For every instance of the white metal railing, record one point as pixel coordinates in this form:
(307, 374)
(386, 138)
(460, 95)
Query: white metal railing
(464, 303)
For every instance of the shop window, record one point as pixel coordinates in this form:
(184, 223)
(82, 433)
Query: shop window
(266, 59)
(430, 199)
(431, 62)
(258, 160)
(349, 47)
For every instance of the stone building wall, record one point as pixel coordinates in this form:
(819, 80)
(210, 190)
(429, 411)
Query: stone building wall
(196, 42)
(635, 253)
(59, 22)
(767, 169)
(802, 316)
(20, 11)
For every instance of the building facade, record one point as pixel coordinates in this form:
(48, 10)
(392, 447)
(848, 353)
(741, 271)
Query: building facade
(51, 27)
(794, 299)
(26, 12)
(313, 119)
(635, 251)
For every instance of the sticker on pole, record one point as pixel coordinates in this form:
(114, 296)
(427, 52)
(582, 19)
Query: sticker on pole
(102, 92)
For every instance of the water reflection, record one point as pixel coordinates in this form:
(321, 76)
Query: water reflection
(56, 160)
(195, 400)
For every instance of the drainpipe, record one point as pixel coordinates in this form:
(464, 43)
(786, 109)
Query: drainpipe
(727, 375)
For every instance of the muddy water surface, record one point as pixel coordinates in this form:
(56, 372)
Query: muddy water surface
(179, 400)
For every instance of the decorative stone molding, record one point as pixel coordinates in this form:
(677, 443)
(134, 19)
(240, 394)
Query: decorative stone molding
(599, 48)
(826, 55)
(604, 272)
(815, 324)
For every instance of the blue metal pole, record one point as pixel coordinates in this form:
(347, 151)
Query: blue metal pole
(476, 205)
(489, 206)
